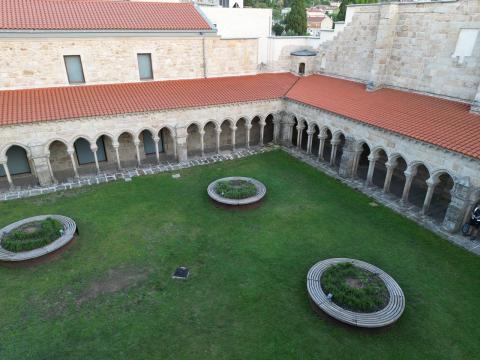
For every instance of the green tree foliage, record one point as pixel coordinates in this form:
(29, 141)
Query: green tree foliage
(296, 20)
(343, 7)
(278, 29)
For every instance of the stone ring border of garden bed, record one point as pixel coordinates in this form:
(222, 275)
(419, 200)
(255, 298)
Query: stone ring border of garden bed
(384, 317)
(69, 227)
(261, 192)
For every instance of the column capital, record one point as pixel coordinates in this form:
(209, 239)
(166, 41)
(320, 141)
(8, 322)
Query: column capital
(136, 142)
(156, 139)
(70, 151)
(431, 182)
(373, 157)
(262, 122)
(322, 136)
(233, 128)
(311, 131)
(202, 132)
(115, 145)
(391, 164)
(94, 148)
(300, 127)
(218, 131)
(249, 126)
(334, 142)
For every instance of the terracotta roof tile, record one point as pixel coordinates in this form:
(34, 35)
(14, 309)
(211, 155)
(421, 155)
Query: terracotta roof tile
(46, 104)
(441, 122)
(99, 15)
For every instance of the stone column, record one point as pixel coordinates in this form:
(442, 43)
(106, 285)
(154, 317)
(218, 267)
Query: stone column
(117, 155)
(388, 177)
(7, 174)
(333, 155)
(347, 161)
(358, 153)
(94, 149)
(321, 145)
(40, 161)
(460, 203)
(71, 153)
(180, 144)
(262, 132)
(310, 140)
(249, 127)
(156, 140)
(409, 175)
(431, 183)
(371, 168)
(234, 130)
(50, 168)
(218, 131)
(136, 142)
(202, 142)
(299, 136)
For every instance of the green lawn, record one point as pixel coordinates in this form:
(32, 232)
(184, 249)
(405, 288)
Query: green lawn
(110, 296)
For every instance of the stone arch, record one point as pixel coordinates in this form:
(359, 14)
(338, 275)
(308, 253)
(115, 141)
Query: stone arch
(166, 144)
(255, 130)
(380, 169)
(19, 165)
(194, 142)
(397, 183)
(327, 148)
(339, 138)
(143, 129)
(210, 136)
(147, 148)
(294, 130)
(9, 145)
(84, 137)
(241, 132)
(127, 150)
(303, 125)
(418, 189)
(268, 130)
(363, 162)
(245, 118)
(63, 141)
(60, 160)
(226, 134)
(441, 196)
(315, 129)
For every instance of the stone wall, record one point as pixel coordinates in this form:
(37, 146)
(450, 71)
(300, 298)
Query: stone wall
(408, 45)
(38, 62)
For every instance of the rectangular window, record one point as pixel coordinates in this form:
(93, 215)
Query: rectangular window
(85, 154)
(73, 64)
(145, 66)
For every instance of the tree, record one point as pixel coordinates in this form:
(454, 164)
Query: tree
(278, 29)
(342, 10)
(296, 20)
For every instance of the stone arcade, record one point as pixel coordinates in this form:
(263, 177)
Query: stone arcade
(422, 149)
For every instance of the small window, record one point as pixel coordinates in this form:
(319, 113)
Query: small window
(145, 66)
(301, 69)
(73, 63)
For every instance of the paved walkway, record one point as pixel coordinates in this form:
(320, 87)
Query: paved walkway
(389, 200)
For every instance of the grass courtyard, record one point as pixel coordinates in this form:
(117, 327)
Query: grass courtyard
(111, 296)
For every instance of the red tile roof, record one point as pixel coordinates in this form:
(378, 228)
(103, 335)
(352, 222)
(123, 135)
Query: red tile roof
(441, 122)
(445, 123)
(99, 15)
(45, 104)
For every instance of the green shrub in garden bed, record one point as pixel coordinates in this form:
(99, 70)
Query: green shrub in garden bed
(32, 236)
(236, 189)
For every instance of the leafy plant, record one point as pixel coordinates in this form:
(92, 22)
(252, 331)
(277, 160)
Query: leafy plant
(22, 239)
(236, 189)
(354, 289)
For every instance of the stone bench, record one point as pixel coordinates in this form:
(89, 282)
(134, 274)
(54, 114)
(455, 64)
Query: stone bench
(386, 316)
(69, 230)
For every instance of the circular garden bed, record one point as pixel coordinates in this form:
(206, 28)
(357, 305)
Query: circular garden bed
(355, 292)
(236, 191)
(35, 237)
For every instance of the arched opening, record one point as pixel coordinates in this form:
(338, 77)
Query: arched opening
(398, 177)
(419, 186)
(268, 130)
(148, 151)
(226, 136)
(255, 131)
(19, 168)
(166, 145)
(210, 137)
(194, 145)
(304, 139)
(241, 133)
(85, 157)
(380, 170)
(327, 148)
(294, 131)
(127, 150)
(363, 162)
(315, 139)
(301, 68)
(441, 197)
(340, 145)
(60, 161)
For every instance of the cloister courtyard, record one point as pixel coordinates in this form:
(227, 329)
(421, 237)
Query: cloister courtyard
(111, 295)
